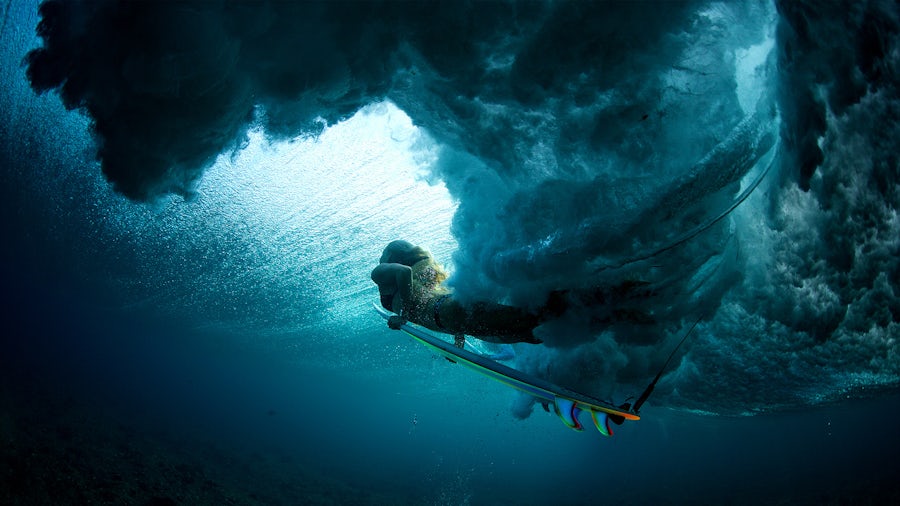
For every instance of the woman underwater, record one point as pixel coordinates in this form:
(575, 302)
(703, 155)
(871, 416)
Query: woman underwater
(410, 283)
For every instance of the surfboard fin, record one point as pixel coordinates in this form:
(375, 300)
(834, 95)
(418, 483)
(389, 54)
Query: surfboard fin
(601, 421)
(568, 412)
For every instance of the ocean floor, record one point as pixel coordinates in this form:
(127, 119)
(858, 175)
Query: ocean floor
(59, 448)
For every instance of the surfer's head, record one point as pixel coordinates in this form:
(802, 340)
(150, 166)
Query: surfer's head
(403, 252)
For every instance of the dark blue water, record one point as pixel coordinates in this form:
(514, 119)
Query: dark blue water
(261, 429)
(186, 255)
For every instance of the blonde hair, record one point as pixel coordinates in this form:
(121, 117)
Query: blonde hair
(435, 271)
(403, 252)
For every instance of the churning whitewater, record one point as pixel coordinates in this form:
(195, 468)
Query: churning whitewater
(583, 145)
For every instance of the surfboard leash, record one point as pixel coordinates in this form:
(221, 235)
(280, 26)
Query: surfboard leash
(649, 390)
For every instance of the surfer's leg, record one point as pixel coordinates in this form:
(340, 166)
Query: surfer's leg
(506, 324)
(488, 321)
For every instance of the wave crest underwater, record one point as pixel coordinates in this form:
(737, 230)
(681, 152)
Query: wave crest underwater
(586, 145)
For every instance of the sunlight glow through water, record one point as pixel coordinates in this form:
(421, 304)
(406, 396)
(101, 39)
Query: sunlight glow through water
(321, 209)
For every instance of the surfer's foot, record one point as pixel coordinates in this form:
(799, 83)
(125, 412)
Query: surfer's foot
(555, 306)
(632, 289)
(637, 316)
(629, 289)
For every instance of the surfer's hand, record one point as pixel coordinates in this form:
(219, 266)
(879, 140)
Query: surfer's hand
(395, 322)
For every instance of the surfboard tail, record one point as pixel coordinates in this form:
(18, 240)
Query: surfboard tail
(568, 412)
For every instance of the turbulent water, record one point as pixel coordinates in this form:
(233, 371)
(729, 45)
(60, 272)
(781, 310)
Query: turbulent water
(194, 195)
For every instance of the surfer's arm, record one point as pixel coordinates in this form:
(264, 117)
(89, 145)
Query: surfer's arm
(396, 279)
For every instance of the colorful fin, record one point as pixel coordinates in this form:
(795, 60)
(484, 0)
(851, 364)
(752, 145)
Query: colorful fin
(601, 421)
(567, 411)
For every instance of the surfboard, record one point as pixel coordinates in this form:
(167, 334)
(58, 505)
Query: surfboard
(567, 404)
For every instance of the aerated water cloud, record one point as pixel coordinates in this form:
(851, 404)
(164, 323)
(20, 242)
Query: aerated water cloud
(659, 162)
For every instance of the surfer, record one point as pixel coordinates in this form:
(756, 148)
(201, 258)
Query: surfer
(411, 284)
